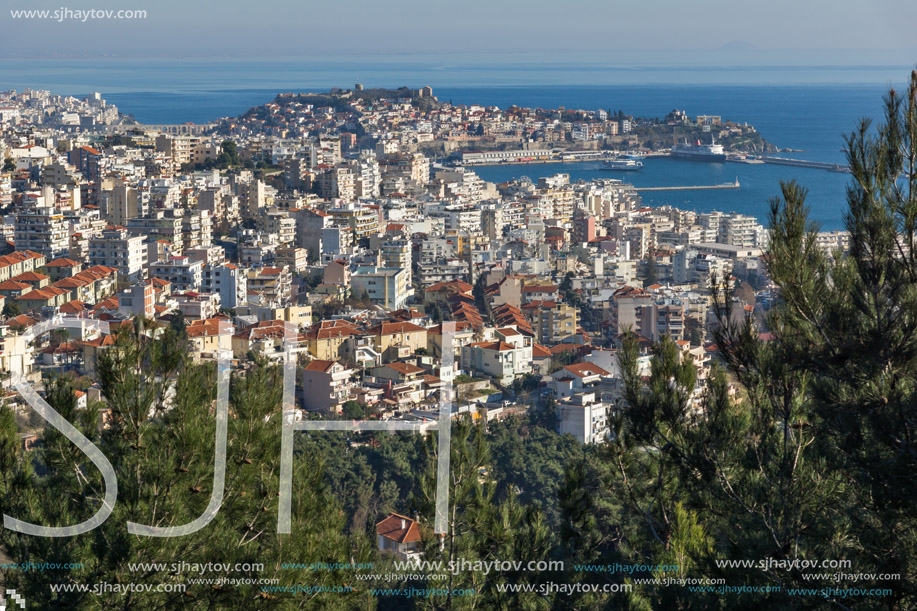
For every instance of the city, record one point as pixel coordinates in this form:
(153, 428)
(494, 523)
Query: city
(285, 215)
(530, 380)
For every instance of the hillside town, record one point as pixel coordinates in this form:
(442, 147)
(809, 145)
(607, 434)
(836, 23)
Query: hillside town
(355, 218)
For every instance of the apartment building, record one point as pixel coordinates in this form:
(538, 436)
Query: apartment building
(337, 183)
(138, 299)
(279, 223)
(270, 285)
(362, 220)
(297, 259)
(183, 273)
(226, 280)
(505, 358)
(159, 226)
(389, 287)
(117, 248)
(326, 386)
(552, 322)
(122, 203)
(43, 230)
(738, 230)
(584, 417)
(396, 254)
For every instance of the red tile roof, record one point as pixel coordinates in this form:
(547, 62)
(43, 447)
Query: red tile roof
(583, 370)
(21, 321)
(319, 365)
(391, 328)
(13, 285)
(29, 277)
(398, 528)
(73, 307)
(496, 346)
(540, 352)
(62, 262)
(404, 368)
(201, 328)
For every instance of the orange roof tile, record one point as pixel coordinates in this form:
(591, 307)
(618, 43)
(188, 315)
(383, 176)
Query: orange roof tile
(398, 528)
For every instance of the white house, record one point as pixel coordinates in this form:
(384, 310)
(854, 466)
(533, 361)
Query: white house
(577, 378)
(327, 385)
(505, 359)
(399, 535)
(584, 417)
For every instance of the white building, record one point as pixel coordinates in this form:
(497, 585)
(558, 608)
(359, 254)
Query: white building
(184, 274)
(584, 417)
(506, 358)
(389, 287)
(117, 248)
(43, 230)
(198, 306)
(228, 281)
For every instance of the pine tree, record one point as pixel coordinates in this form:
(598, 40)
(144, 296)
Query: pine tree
(814, 456)
(9, 445)
(160, 442)
(482, 527)
(848, 323)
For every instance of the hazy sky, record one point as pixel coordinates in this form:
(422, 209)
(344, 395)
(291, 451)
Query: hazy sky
(764, 30)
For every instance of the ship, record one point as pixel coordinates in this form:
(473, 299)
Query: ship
(623, 164)
(712, 152)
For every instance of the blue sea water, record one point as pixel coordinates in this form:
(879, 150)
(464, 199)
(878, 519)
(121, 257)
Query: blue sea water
(792, 107)
(759, 183)
(812, 118)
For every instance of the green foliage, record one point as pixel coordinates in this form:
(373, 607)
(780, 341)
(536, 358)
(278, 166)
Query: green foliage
(9, 444)
(179, 326)
(562, 359)
(229, 155)
(354, 410)
(652, 273)
(160, 442)
(814, 457)
(369, 475)
(527, 383)
(531, 459)
(11, 309)
(482, 528)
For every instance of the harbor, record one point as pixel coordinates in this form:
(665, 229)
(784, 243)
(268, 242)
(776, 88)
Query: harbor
(613, 158)
(759, 183)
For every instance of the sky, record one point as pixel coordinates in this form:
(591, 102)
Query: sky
(784, 32)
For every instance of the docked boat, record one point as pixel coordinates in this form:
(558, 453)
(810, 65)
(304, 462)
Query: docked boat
(712, 152)
(623, 164)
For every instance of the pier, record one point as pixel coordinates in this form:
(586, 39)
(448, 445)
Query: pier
(803, 163)
(727, 185)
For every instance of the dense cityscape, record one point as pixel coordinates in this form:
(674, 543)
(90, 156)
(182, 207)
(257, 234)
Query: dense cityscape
(329, 218)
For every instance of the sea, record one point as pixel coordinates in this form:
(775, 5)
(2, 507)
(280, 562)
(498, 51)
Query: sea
(807, 108)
